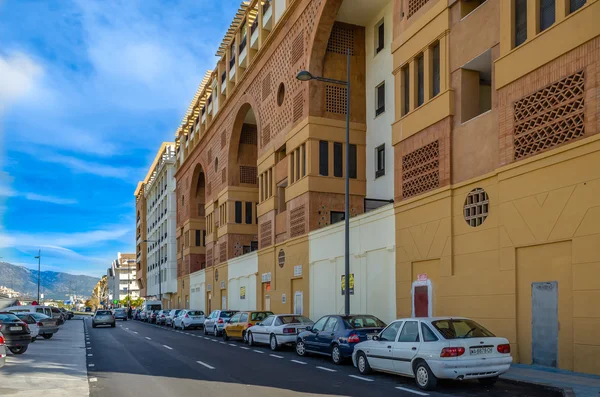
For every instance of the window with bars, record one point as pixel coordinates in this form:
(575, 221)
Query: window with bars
(420, 80)
(574, 5)
(352, 161)
(435, 52)
(520, 22)
(380, 99)
(238, 212)
(405, 90)
(337, 159)
(380, 161)
(323, 158)
(547, 14)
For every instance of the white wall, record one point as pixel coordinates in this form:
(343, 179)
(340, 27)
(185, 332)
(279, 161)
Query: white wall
(279, 9)
(198, 290)
(242, 272)
(379, 129)
(372, 260)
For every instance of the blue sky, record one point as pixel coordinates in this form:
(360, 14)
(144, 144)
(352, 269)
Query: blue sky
(88, 91)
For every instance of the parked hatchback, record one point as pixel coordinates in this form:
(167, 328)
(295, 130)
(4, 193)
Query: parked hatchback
(215, 322)
(103, 317)
(48, 326)
(32, 324)
(16, 333)
(432, 348)
(278, 330)
(190, 319)
(121, 314)
(169, 319)
(336, 335)
(161, 317)
(237, 326)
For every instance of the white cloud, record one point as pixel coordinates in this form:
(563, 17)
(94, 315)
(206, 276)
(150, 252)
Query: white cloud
(49, 199)
(86, 167)
(19, 75)
(63, 240)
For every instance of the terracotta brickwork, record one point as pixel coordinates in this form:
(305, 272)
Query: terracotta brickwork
(551, 106)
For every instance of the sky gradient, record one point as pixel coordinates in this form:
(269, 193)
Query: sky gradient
(88, 91)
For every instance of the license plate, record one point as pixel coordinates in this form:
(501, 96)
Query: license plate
(474, 351)
(15, 328)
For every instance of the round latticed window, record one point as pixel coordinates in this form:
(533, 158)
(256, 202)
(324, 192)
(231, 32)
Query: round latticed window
(476, 207)
(280, 94)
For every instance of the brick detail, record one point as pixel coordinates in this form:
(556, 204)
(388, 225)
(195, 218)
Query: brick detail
(224, 175)
(266, 135)
(550, 116)
(266, 234)
(248, 174)
(414, 6)
(297, 48)
(420, 170)
(335, 99)
(209, 257)
(248, 135)
(266, 86)
(223, 139)
(298, 106)
(222, 251)
(298, 221)
(340, 40)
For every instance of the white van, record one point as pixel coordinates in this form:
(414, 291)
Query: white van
(147, 307)
(47, 310)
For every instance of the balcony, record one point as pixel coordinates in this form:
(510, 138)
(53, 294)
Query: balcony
(243, 52)
(203, 115)
(254, 35)
(223, 82)
(210, 105)
(232, 69)
(280, 7)
(267, 20)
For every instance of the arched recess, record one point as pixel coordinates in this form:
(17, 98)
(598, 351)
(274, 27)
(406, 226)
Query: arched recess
(197, 192)
(243, 148)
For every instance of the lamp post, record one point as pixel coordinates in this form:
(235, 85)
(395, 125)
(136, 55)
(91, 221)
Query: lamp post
(305, 75)
(39, 258)
(159, 273)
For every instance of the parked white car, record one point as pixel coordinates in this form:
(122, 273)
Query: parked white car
(171, 316)
(32, 323)
(190, 319)
(432, 348)
(277, 330)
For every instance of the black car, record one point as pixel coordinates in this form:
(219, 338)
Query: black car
(16, 333)
(88, 309)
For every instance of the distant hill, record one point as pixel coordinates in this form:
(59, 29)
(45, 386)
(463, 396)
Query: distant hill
(54, 285)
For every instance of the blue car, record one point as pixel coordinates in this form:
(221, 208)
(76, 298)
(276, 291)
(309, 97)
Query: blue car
(336, 336)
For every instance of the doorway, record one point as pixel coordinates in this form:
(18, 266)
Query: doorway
(268, 303)
(544, 323)
(422, 299)
(298, 303)
(209, 301)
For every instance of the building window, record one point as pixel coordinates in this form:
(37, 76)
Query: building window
(352, 161)
(435, 54)
(574, 5)
(248, 213)
(380, 37)
(405, 90)
(198, 238)
(547, 14)
(420, 80)
(380, 99)
(304, 159)
(520, 22)
(336, 216)
(476, 86)
(204, 238)
(323, 158)
(380, 161)
(337, 160)
(238, 212)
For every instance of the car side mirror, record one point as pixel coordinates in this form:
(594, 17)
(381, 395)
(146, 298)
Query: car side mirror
(309, 328)
(376, 337)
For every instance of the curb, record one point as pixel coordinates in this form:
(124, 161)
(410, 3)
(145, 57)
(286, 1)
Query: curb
(564, 391)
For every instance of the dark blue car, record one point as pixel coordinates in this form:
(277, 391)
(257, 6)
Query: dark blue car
(336, 336)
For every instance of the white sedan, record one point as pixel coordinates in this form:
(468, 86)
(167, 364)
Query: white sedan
(277, 330)
(432, 348)
(189, 319)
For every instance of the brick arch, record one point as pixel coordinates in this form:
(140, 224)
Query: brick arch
(245, 104)
(197, 191)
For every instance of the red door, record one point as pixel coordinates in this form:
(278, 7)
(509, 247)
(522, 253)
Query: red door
(421, 301)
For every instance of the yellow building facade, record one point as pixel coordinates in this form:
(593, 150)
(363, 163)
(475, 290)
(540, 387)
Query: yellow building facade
(497, 161)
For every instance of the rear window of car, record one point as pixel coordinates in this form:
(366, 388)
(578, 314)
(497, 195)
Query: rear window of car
(260, 316)
(294, 320)
(196, 313)
(39, 316)
(364, 322)
(55, 310)
(103, 313)
(120, 311)
(9, 317)
(460, 329)
(27, 318)
(226, 314)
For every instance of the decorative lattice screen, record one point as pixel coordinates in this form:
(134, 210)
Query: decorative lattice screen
(335, 99)
(266, 135)
(222, 251)
(414, 5)
(248, 136)
(297, 48)
(476, 207)
(340, 40)
(265, 234)
(266, 86)
(421, 170)
(297, 222)
(248, 174)
(298, 106)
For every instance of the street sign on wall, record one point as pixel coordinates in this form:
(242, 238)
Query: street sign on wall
(242, 292)
(351, 286)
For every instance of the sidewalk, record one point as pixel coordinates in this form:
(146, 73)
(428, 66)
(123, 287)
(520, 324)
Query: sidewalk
(574, 384)
(51, 368)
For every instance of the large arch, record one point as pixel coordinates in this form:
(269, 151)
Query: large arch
(197, 192)
(243, 145)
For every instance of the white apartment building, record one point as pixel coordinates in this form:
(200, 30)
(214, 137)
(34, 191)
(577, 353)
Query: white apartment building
(122, 278)
(161, 211)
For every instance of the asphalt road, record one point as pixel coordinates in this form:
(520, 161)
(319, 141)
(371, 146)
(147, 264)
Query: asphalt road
(139, 359)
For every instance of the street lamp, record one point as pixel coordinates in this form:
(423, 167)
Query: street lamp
(159, 272)
(39, 258)
(305, 75)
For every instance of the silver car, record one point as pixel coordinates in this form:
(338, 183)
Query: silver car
(103, 317)
(169, 319)
(277, 330)
(215, 322)
(2, 351)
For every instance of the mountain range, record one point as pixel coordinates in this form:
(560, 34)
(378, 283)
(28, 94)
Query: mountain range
(54, 285)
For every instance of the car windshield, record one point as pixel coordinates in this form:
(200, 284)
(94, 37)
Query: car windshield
(260, 316)
(39, 316)
(460, 329)
(364, 322)
(8, 317)
(103, 313)
(295, 319)
(196, 313)
(177, 311)
(227, 314)
(153, 307)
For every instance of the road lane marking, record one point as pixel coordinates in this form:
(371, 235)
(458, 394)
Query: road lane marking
(88, 342)
(167, 347)
(206, 365)
(275, 355)
(214, 340)
(298, 362)
(259, 351)
(223, 343)
(135, 332)
(244, 347)
(89, 348)
(206, 338)
(361, 378)
(90, 365)
(233, 344)
(148, 338)
(90, 355)
(93, 379)
(327, 369)
(420, 393)
(127, 329)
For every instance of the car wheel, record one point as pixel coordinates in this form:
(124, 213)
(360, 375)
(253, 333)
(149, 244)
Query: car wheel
(250, 339)
(363, 364)
(33, 339)
(113, 325)
(48, 336)
(336, 355)
(300, 348)
(245, 337)
(93, 326)
(273, 343)
(182, 326)
(215, 331)
(18, 349)
(425, 379)
(124, 319)
(488, 381)
(205, 331)
(225, 337)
